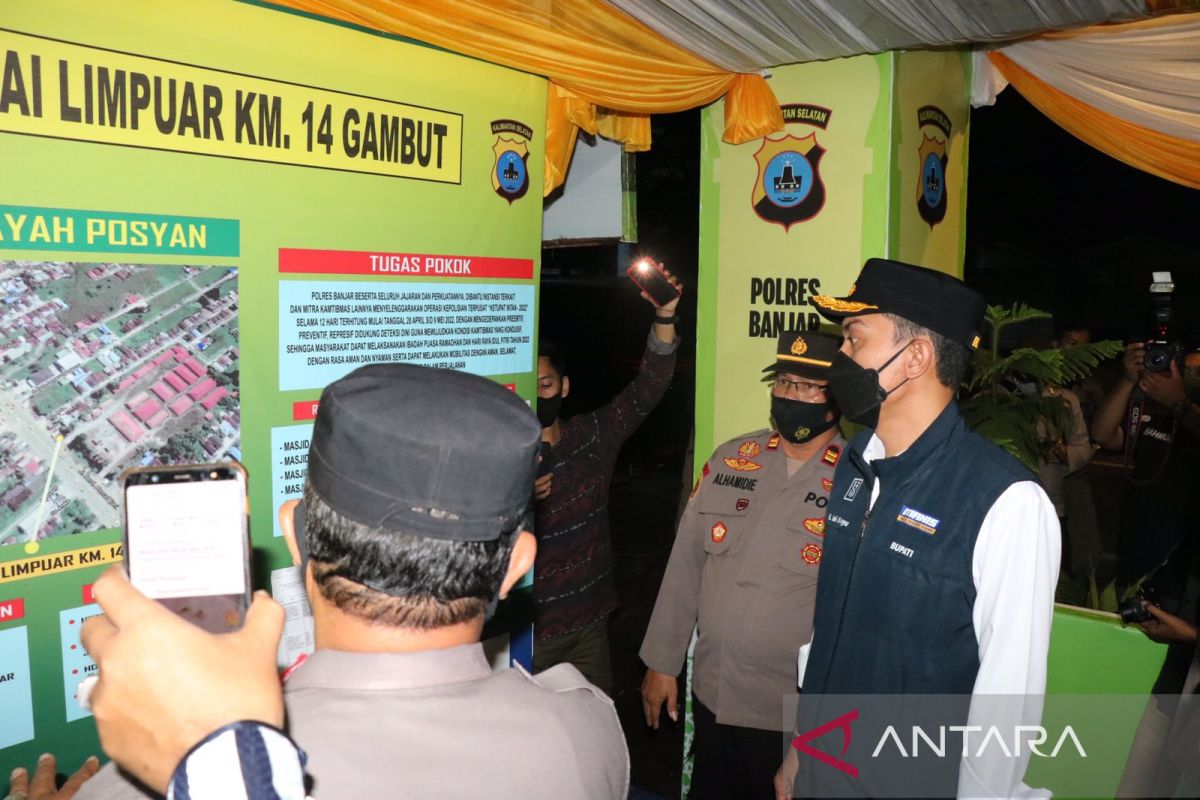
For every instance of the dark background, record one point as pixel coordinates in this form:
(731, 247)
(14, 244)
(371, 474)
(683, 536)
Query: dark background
(1050, 222)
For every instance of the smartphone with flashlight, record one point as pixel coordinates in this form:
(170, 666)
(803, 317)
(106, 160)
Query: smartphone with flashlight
(648, 275)
(187, 541)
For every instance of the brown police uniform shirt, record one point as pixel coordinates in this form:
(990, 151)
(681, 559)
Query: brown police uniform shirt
(743, 571)
(441, 723)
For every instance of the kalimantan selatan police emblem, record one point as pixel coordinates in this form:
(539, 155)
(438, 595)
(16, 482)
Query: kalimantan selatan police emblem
(788, 188)
(510, 165)
(931, 193)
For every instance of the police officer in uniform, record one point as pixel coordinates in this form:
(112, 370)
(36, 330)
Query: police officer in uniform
(744, 571)
(941, 551)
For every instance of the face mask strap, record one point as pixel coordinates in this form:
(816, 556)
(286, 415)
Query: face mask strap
(879, 372)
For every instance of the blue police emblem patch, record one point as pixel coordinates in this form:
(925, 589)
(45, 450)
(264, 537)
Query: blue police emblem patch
(931, 193)
(510, 165)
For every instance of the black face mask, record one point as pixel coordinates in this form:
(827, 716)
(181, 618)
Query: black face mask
(798, 421)
(548, 409)
(857, 388)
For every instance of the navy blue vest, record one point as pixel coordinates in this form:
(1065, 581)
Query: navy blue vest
(894, 603)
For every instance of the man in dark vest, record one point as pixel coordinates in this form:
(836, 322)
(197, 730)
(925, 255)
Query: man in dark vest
(941, 551)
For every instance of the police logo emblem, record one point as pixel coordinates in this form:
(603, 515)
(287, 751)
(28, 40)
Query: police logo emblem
(931, 194)
(799, 347)
(718, 532)
(789, 188)
(811, 554)
(510, 163)
(742, 504)
(749, 449)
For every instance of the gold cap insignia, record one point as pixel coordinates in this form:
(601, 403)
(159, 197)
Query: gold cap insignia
(799, 347)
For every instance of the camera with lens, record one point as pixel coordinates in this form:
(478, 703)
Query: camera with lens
(1160, 350)
(1133, 612)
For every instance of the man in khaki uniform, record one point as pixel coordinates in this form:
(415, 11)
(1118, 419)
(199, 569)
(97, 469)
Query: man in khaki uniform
(744, 572)
(409, 532)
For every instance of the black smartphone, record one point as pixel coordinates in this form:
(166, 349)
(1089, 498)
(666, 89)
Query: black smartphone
(187, 541)
(543, 467)
(648, 275)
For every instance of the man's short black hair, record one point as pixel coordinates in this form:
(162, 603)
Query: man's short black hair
(953, 360)
(422, 583)
(555, 355)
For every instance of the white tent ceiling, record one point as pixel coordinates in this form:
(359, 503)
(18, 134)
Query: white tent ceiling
(750, 35)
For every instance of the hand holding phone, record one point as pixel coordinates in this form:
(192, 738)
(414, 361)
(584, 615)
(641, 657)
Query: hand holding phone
(187, 541)
(657, 285)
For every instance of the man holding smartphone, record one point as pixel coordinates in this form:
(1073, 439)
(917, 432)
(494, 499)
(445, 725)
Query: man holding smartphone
(409, 533)
(573, 587)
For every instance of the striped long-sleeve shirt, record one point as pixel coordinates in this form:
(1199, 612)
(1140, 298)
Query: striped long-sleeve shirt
(572, 580)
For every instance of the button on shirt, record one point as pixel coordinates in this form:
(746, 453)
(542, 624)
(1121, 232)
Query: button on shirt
(743, 570)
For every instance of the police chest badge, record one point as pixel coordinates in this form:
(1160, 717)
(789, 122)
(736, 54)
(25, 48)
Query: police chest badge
(788, 188)
(510, 164)
(718, 532)
(811, 554)
(931, 193)
(749, 449)
(742, 464)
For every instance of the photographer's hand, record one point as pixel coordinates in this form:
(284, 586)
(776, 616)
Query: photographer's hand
(1164, 387)
(1133, 361)
(1166, 628)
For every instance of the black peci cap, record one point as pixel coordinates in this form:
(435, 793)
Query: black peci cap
(807, 354)
(426, 452)
(931, 299)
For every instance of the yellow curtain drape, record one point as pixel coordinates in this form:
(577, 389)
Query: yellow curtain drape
(608, 72)
(1166, 156)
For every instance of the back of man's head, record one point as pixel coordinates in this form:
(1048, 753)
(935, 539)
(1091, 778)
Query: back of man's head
(417, 482)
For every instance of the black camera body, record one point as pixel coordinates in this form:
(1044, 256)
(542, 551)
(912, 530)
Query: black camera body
(1160, 350)
(1159, 356)
(1133, 612)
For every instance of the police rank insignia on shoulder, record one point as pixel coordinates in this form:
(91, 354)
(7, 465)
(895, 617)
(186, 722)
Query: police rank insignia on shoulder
(749, 449)
(773, 442)
(815, 525)
(827, 484)
(718, 532)
(832, 453)
(811, 554)
(742, 464)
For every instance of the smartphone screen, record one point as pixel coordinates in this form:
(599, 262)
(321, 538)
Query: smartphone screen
(651, 280)
(186, 541)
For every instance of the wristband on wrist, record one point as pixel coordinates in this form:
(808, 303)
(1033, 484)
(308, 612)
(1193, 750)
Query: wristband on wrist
(661, 320)
(220, 763)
